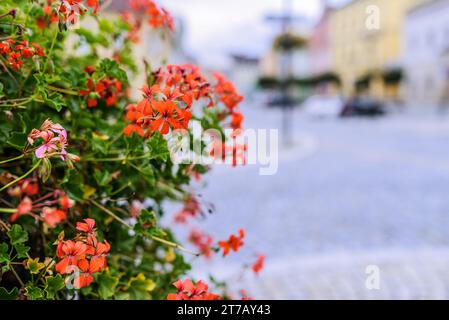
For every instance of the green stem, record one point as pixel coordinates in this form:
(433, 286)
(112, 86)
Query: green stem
(112, 214)
(62, 90)
(21, 177)
(51, 49)
(119, 159)
(17, 276)
(174, 245)
(166, 242)
(7, 210)
(12, 159)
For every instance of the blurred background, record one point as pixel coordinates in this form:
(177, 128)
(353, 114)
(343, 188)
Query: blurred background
(359, 91)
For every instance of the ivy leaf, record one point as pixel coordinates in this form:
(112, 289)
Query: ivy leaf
(33, 292)
(112, 69)
(53, 285)
(4, 256)
(11, 295)
(147, 218)
(146, 225)
(107, 284)
(22, 250)
(34, 265)
(158, 147)
(55, 100)
(140, 287)
(17, 234)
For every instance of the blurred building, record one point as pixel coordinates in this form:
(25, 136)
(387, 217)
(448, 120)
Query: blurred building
(157, 47)
(426, 55)
(366, 45)
(245, 72)
(320, 45)
(322, 68)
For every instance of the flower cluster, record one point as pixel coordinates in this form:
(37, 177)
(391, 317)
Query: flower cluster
(233, 243)
(50, 15)
(187, 290)
(166, 104)
(157, 17)
(82, 256)
(53, 142)
(107, 90)
(17, 52)
(202, 241)
(51, 208)
(69, 11)
(227, 92)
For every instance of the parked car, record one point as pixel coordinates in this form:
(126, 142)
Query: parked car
(363, 106)
(280, 100)
(324, 105)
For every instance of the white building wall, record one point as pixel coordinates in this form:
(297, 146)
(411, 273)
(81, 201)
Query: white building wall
(426, 38)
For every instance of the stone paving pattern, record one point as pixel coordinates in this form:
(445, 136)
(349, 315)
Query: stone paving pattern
(349, 193)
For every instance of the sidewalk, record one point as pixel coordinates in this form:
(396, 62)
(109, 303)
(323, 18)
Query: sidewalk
(404, 274)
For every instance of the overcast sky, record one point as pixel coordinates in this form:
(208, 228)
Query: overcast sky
(215, 28)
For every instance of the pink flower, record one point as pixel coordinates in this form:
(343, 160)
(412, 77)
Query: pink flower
(54, 141)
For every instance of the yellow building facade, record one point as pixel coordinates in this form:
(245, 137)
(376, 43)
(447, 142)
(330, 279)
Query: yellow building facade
(366, 43)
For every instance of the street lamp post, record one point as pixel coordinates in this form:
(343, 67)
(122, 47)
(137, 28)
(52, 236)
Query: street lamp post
(286, 64)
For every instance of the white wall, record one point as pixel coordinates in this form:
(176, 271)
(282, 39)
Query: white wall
(426, 37)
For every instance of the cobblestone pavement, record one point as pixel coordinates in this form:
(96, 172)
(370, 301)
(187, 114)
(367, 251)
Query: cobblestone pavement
(348, 194)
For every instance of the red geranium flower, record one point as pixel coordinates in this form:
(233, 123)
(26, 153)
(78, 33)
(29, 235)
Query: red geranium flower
(70, 252)
(187, 290)
(233, 243)
(259, 264)
(85, 277)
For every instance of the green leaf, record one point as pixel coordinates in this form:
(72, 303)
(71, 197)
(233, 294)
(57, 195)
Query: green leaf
(55, 100)
(103, 178)
(92, 38)
(112, 69)
(106, 285)
(122, 296)
(147, 218)
(158, 147)
(17, 234)
(34, 265)
(73, 184)
(22, 250)
(11, 295)
(53, 285)
(106, 26)
(140, 287)
(33, 292)
(4, 255)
